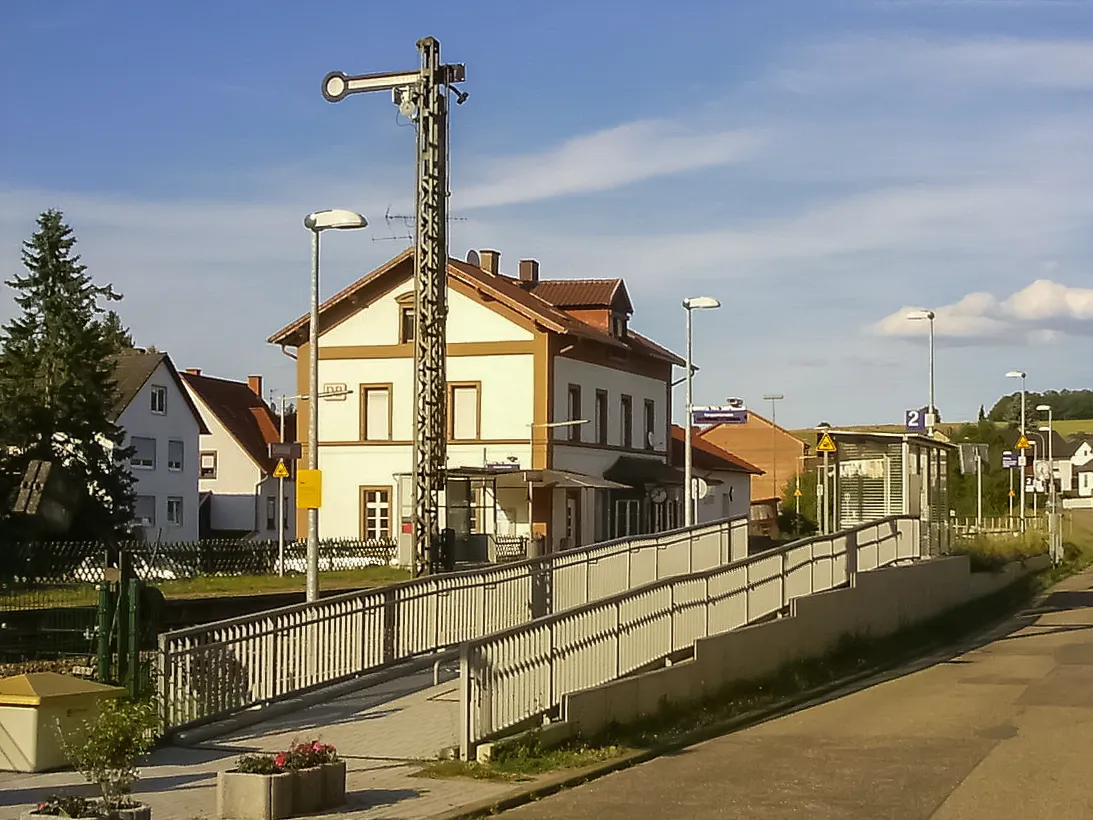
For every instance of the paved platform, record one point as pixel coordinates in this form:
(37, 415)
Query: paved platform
(381, 732)
(1002, 730)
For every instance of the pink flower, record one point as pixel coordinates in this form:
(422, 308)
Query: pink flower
(280, 760)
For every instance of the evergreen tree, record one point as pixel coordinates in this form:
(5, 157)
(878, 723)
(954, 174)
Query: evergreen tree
(57, 388)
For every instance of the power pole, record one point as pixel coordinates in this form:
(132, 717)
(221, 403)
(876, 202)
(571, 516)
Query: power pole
(422, 95)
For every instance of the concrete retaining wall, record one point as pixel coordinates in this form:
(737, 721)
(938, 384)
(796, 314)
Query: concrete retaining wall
(878, 603)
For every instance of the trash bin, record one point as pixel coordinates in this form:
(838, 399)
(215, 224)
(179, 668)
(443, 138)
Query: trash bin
(32, 707)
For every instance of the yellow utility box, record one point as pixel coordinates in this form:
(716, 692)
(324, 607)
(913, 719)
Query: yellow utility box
(33, 706)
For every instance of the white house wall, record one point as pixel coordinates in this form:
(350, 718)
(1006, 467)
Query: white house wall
(177, 424)
(592, 377)
(721, 503)
(468, 321)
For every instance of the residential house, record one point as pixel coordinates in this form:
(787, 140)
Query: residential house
(525, 357)
(775, 451)
(163, 427)
(238, 489)
(726, 475)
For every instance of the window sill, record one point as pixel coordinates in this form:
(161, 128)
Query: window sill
(142, 466)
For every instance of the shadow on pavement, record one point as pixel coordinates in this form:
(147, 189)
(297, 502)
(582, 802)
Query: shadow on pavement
(370, 798)
(1066, 600)
(22, 797)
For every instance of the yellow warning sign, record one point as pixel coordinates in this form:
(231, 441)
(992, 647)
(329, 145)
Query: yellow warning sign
(280, 471)
(798, 492)
(1022, 443)
(1012, 493)
(826, 445)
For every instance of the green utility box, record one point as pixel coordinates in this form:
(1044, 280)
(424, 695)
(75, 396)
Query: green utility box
(32, 709)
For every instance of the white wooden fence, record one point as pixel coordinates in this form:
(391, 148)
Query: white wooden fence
(522, 673)
(210, 671)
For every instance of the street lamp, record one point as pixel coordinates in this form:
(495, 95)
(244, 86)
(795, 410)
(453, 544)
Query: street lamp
(1046, 408)
(931, 414)
(689, 305)
(772, 398)
(318, 222)
(1021, 460)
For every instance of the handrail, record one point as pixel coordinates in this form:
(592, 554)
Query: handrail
(515, 674)
(216, 669)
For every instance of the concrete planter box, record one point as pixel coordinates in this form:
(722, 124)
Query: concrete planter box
(137, 812)
(307, 791)
(333, 784)
(242, 796)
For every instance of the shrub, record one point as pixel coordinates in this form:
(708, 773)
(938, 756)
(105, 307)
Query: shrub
(259, 764)
(106, 751)
(69, 806)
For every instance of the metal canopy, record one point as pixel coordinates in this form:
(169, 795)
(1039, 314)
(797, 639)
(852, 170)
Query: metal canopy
(565, 479)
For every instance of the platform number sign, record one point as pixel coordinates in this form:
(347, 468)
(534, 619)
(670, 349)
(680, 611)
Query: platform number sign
(915, 419)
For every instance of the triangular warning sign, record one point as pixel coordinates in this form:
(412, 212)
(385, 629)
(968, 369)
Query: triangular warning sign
(1022, 443)
(826, 445)
(280, 471)
(798, 492)
(1012, 493)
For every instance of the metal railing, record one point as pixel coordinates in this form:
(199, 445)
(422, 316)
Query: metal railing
(509, 678)
(996, 524)
(209, 671)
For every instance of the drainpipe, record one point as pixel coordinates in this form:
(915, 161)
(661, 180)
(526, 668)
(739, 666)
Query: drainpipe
(257, 501)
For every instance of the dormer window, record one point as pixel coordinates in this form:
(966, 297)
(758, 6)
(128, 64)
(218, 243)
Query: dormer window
(618, 325)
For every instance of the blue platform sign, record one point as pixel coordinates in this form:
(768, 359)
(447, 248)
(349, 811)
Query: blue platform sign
(1009, 460)
(733, 411)
(915, 420)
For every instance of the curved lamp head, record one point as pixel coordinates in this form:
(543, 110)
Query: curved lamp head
(336, 218)
(700, 303)
(921, 314)
(1044, 408)
(1016, 374)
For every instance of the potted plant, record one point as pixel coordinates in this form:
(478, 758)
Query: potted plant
(76, 808)
(319, 776)
(256, 789)
(106, 752)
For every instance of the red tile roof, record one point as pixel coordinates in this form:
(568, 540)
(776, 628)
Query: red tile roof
(583, 293)
(706, 455)
(505, 289)
(245, 415)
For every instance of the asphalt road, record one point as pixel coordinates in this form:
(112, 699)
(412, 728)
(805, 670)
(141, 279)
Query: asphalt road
(1001, 729)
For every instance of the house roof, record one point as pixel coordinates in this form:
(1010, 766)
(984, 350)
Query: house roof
(583, 293)
(133, 368)
(505, 289)
(243, 413)
(705, 455)
(636, 471)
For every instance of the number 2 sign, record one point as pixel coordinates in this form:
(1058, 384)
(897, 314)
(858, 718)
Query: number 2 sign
(915, 419)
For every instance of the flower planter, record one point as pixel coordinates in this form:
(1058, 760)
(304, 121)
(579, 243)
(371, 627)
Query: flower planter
(138, 811)
(245, 796)
(307, 791)
(34, 815)
(333, 784)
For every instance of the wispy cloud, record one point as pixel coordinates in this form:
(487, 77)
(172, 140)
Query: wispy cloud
(603, 160)
(1041, 312)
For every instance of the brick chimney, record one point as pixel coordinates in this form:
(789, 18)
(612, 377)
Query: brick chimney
(490, 261)
(255, 384)
(194, 371)
(529, 271)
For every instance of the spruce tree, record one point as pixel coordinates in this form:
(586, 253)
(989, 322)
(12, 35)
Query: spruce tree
(57, 388)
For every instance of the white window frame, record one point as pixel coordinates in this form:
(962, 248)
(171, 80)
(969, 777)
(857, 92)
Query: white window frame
(145, 522)
(140, 464)
(378, 506)
(159, 391)
(176, 467)
(176, 520)
(454, 423)
(201, 464)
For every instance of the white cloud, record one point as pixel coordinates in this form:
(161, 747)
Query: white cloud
(603, 160)
(1039, 313)
(939, 66)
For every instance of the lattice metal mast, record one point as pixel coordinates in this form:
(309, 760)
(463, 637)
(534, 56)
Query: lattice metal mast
(422, 96)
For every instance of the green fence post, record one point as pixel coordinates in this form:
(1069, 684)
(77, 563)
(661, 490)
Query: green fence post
(122, 609)
(106, 615)
(133, 665)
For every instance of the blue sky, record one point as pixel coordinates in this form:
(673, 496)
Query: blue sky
(820, 166)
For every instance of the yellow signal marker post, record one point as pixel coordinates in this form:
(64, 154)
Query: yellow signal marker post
(309, 489)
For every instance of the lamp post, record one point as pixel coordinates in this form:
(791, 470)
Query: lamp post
(689, 305)
(1046, 408)
(931, 413)
(772, 398)
(1021, 460)
(318, 222)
